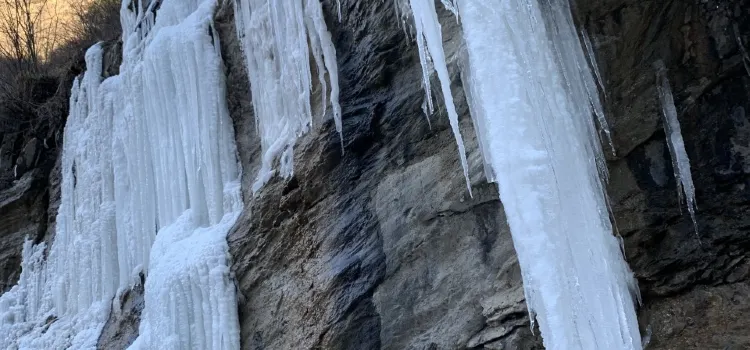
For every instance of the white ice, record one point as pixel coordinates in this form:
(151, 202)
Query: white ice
(150, 182)
(432, 56)
(675, 143)
(534, 99)
(278, 37)
(75, 283)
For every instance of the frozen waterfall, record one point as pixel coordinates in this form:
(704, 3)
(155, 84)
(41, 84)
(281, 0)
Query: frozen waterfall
(151, 180)
(278, 37)
(533, 99)
(148, 151)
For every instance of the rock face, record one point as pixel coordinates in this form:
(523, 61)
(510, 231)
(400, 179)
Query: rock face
(694, 286)
(29, 197)
(23, 209)
(121, 328)
(30, 171)
(380, 247)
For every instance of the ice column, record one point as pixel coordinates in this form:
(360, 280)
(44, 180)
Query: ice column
(180, 177)
(431, 56)
(535, 98)
(80, 275)
(277, 38)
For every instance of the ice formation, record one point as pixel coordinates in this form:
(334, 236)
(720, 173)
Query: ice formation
(592, 58)
(533, 97)
(432, 56)
(74, 285)
(148, 151)
(675, 143)
(277, 38)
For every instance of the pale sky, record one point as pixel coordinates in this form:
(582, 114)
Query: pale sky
(59, 9)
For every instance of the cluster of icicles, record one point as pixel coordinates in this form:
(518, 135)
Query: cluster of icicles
(532, 93)
(151, 180)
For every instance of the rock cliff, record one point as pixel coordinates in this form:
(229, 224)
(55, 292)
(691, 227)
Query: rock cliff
(380, 246)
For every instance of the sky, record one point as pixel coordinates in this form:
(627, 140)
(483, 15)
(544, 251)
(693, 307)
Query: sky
(56, 11)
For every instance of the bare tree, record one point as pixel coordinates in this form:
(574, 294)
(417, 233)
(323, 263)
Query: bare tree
(28, 32)
(96, 19)
(38, 47)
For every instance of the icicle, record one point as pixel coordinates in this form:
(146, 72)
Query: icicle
(532, 97)
(745, 56)
(80, 274)
(592, 59)
(189, 143)
(680, 160)
(594, 96)
(450, 5)
(275, 36)
(430, 45)
(477, 117)
(24, 302)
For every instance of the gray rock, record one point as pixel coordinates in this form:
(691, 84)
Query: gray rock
(380, 248)
(30, 153)
(675, 265)
(121, 328)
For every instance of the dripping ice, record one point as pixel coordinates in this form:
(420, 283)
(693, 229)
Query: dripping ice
(149, 150)
(675, 143)
(431, 56)
(533, 97)
(277, 37)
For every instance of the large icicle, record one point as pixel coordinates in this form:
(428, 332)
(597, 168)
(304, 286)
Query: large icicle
(534, 96)
(431, 55)
(150, 150)
(680, 160)
(277, 38)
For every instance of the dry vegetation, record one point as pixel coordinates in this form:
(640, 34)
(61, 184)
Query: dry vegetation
(41, 46)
